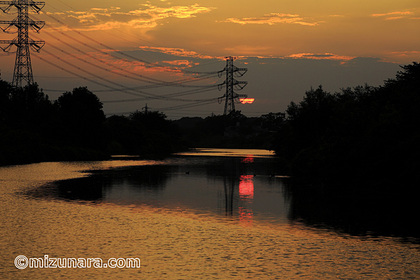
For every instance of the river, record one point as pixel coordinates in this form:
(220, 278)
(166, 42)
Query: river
(208, 214)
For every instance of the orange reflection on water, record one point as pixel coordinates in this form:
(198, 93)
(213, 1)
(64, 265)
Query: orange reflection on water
(246, 193)
(245, 216)
(246, 186)
(255, 153)
(248, 159)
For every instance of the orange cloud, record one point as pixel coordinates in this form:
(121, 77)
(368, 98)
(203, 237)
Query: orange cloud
(185, 63)
(395, 15)
(178, 52)
(148, 17)
(327, 56)
(175, 11)
(273, 18)
(126, 67)
(398, 56)
(90, 16)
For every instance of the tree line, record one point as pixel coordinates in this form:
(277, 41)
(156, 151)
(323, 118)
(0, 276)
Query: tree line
(369, 133)
(74, 127)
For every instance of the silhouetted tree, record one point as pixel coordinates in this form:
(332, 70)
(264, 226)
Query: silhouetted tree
(25, 115)
(155, 134)
(272, 121)
(230, 131)
(80, 109)
(121, 137)
(28, 107)
(150, 120)
(80, 112)
(75, 128)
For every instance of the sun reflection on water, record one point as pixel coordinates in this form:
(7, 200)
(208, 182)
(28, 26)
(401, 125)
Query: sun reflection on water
(246, 195)
(246, 187)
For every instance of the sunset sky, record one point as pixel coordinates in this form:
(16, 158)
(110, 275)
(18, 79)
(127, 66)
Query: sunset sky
(288, 47)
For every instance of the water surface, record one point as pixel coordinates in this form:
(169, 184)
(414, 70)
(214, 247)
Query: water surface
(239, 184)
(228, 216)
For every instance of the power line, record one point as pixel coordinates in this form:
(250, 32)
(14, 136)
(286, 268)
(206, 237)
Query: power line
(169, 95)
(156, 82)
(121, 88)
(113, 86)
(142, 39)
(121, 74)
(64, 3)
(122, 53)
(74, 73)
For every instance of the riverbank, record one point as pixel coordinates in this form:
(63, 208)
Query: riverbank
(175, 245)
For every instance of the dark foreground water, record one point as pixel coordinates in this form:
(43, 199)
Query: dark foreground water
(212, 214)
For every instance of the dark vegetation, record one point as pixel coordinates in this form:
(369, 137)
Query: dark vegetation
(230, 131)
(74, 127)
(366, 132)
(33, 129)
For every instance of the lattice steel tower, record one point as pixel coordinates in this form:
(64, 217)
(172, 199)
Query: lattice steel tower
(23, 67)
(231, 84)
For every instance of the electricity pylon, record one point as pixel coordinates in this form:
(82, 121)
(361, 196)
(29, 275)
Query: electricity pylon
(23, 67)
(231, 84)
